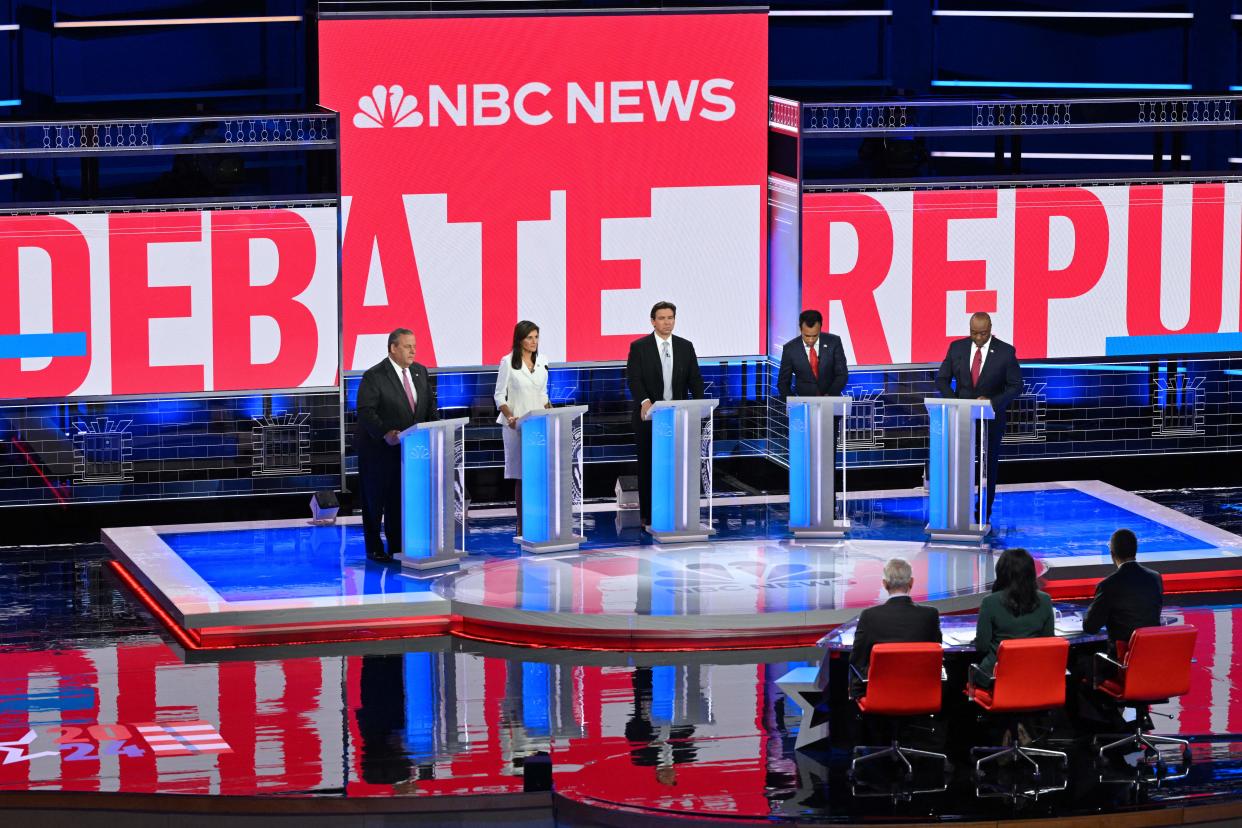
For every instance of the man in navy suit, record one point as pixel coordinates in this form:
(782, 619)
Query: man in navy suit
(814, 361)
(660, 367)
(394, 395)
(1130, 598)
(983, 368)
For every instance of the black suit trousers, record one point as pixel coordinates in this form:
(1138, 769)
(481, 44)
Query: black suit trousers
(642, 440)
(379, 477)
(996, 432)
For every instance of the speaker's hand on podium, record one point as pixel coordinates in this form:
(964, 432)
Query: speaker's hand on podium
(645, 410)
(392, 438)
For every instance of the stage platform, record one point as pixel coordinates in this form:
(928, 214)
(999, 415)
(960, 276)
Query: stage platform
(96, 707)
(278, 582)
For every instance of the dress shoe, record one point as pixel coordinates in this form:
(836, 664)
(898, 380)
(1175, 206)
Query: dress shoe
(379, 557)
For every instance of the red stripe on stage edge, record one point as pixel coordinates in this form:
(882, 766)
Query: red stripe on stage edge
(148, 601)
(327, 632)
(600, 641)
(1175, 583)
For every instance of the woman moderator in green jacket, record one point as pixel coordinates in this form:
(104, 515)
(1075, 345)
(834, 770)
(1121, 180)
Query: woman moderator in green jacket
(1015, 609)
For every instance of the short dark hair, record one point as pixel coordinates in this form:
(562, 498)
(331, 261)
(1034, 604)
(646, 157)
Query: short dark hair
(1124, 545)
(397, 334)
(659, 306)
(810, 318)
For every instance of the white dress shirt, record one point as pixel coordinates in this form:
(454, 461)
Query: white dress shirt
(974, 349)
(523, 391)
(401, 372)
(661, 343)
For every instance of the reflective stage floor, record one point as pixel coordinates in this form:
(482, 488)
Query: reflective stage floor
(221, 585)
(93, 699)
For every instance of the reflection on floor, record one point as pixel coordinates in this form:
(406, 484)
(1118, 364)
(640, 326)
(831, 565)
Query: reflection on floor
(93, 699)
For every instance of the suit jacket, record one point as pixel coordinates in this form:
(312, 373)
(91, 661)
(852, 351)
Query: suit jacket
(996, 624)
(1000, 379)
(382, 405)
(1130, 598)
(644, 373)
(897, 620)
(796, 366)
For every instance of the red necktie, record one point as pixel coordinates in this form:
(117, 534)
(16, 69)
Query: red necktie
(409, 391)
(976, 366)
(813, 355)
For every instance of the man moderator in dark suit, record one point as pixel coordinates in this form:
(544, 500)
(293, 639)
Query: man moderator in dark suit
(897, 621)
(660, 367)
(1130, 598)
(394, 395)
(983, 368)
(813, 364)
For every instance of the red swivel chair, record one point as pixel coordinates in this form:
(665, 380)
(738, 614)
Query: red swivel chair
(1156, 667)
(1029, 678)
(903, 681)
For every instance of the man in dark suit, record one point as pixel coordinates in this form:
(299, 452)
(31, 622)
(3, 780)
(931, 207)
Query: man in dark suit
(394, 395)
(983, 368)
(897, 621)
(660, 367)
(1130, 598)
(814, 361)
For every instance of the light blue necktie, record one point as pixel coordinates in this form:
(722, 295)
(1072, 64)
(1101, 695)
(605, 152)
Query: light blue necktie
(667, 364)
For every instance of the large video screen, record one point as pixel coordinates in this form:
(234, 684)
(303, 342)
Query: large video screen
(571, 170)
(1099, 271)
(167, 302)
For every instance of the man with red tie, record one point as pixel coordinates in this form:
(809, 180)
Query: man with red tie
(814, 361)
(983, 368)
(394, 395)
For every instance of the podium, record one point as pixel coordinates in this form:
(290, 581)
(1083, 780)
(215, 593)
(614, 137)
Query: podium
(548, 466)
(951, 478)
(429, 453)
(677, 438)
(812, 465)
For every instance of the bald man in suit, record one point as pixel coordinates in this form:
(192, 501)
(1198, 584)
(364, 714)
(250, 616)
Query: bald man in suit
(981, 367)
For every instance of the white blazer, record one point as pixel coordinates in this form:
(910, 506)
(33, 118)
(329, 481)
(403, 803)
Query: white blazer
(523, 391)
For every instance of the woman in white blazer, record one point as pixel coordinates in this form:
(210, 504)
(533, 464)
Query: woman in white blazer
(521, 387)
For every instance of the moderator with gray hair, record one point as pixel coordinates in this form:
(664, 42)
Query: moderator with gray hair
(897, 574)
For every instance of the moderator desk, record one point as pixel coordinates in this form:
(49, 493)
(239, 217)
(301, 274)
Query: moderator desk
(822, 690)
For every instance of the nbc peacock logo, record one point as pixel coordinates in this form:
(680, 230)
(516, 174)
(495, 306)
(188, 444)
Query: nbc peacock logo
(387, 106)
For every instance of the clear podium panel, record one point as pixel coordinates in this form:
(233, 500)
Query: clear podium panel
(952, 482)
(813, 441)
(677, 450)
(547, 437)
(428, 514)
